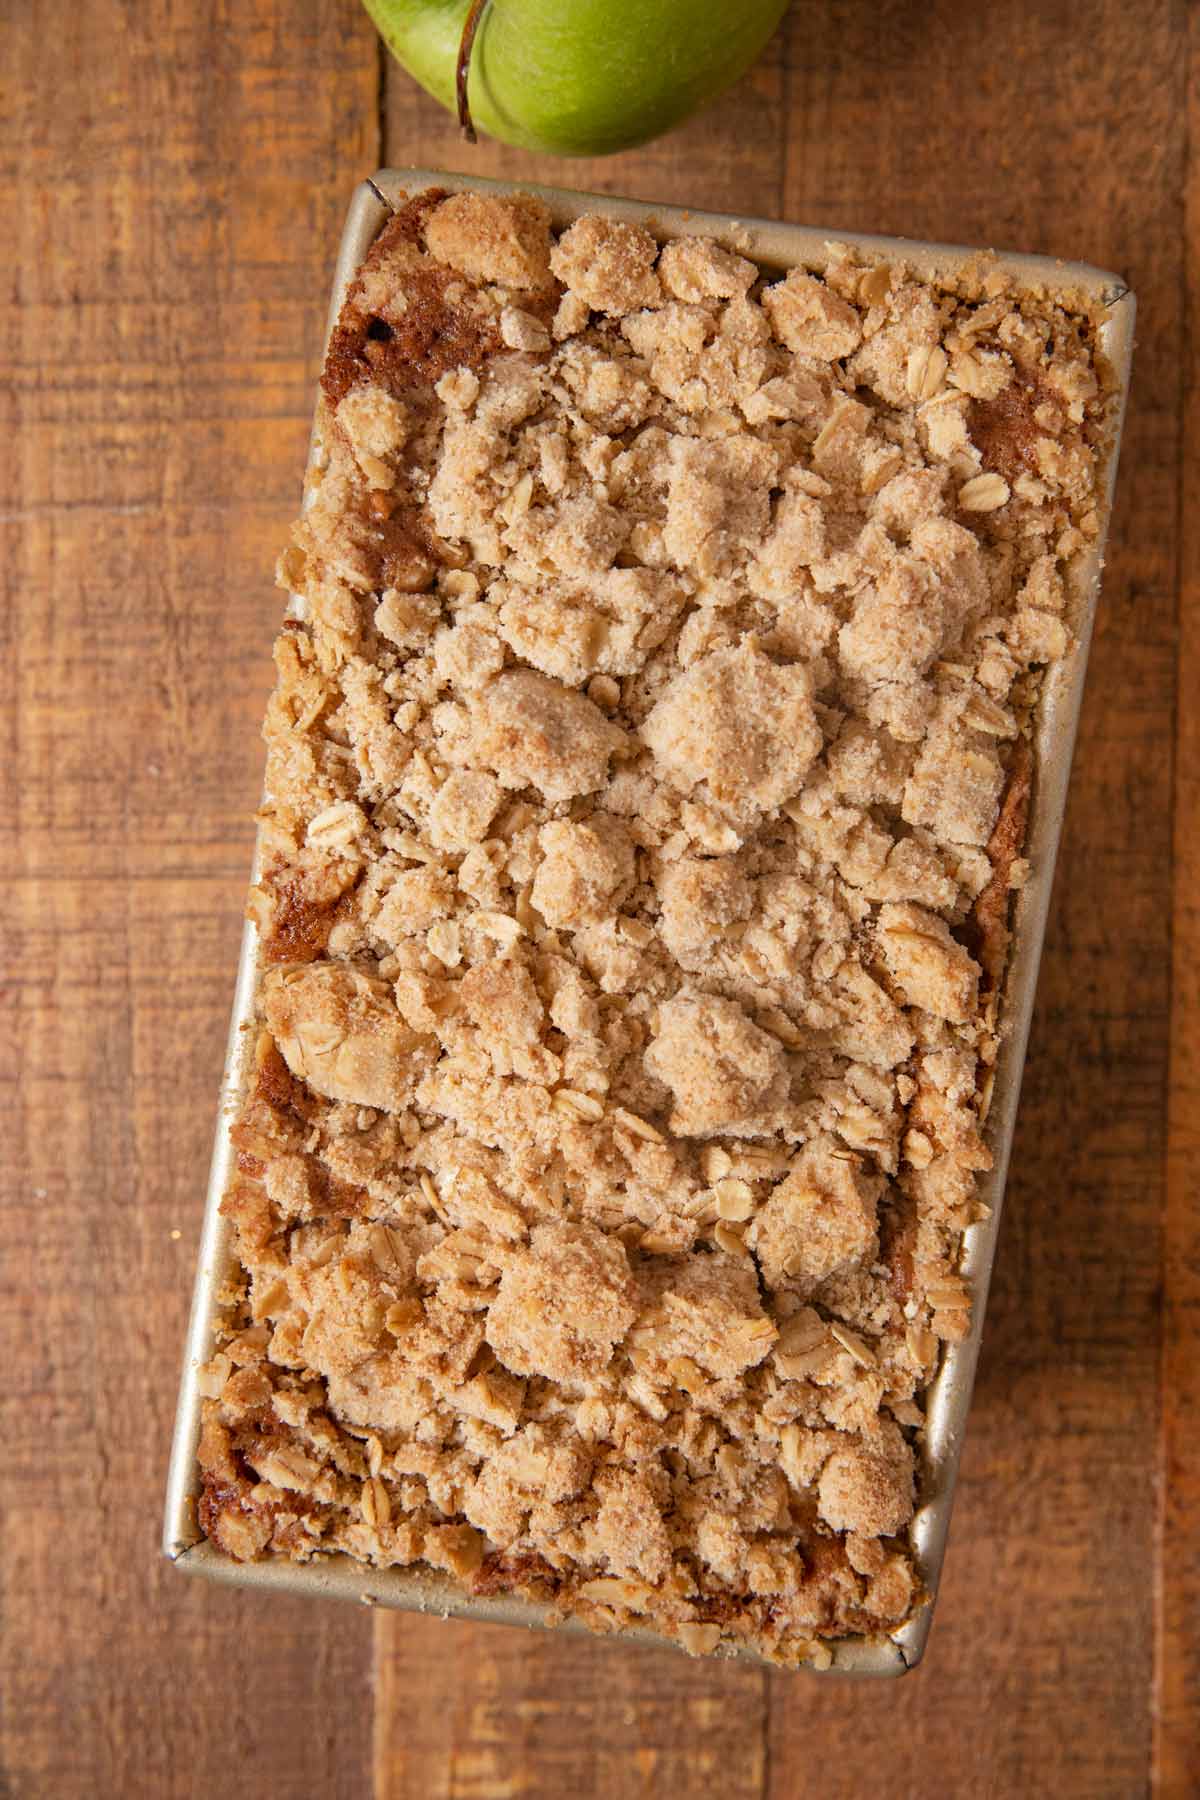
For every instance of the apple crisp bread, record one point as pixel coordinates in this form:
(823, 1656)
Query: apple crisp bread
(646, 788)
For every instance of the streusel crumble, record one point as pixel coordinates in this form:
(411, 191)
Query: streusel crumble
(646, 788)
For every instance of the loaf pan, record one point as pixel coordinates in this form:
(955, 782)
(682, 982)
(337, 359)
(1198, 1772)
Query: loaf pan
(775, 247)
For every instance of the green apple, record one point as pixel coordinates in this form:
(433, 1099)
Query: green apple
(578, 77)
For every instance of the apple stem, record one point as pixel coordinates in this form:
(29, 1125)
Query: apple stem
(465, 46)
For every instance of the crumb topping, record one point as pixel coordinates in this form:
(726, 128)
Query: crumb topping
(647, 783)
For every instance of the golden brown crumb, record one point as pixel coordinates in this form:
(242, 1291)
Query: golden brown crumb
(341, 1035)
(726, 1074)
(741, 724)
(819, 1221)
(932, 970)
(811, 320)
(489, 237)
(646, 784)
(608, 264)
(563, 1304)
(534, 732)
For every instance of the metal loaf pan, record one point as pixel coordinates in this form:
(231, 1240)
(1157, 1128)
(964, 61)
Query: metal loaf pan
(776, 247)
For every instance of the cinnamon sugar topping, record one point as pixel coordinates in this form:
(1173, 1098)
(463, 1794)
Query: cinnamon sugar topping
(646, 786)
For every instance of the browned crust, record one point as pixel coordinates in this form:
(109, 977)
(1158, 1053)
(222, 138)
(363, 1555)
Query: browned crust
(221, 1495)
(1004, 430)
(300, 922)
(434, 334)
(525, 1574)
(898, 1243)
(990, 932)
(276, 1086)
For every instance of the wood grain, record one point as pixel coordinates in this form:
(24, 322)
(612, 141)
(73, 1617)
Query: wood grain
(481, 1712)
(1177, 1683)
(176, 182)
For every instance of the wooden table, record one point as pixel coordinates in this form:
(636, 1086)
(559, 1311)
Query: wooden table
(172, 181)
